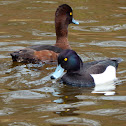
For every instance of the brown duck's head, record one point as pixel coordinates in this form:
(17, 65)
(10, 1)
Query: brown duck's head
(64, 16)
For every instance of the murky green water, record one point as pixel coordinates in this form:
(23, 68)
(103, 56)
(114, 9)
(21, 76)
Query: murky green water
(27, 95)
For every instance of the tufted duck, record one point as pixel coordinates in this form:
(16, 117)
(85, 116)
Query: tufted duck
(84, 74)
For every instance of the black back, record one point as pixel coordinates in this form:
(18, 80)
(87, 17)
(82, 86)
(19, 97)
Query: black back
(46, 47)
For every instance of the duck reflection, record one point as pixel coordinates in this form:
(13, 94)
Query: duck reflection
(68, 101)
(106, 88)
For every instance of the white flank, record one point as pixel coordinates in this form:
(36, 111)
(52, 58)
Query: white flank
(108, 75)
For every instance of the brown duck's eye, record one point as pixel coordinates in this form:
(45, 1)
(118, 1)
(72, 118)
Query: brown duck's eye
(71, 13)
(65, 59)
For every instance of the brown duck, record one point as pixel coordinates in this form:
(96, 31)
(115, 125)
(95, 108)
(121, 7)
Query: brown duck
(49, 53)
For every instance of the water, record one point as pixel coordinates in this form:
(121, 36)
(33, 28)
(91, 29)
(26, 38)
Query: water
(27, 95)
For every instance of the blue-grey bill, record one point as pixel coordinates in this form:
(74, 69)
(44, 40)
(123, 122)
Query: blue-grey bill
(75, 22)
(58, 72)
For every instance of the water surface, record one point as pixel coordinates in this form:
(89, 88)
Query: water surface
(27, 95)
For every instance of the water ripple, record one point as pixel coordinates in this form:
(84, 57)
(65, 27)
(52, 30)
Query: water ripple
(111, 98)
(22, 94)
(121, 117)
(107, 112)
(113, 43)
(6, 111)
(62, 107)
(82, 8)
(34, 42)
(11, 48)
(31, 8)
(51, 2)
(21, 124)
(87, 21)
(41, 33)
(74, 121)
(100, 28)
(122, 7)
(8, 2)
(10, 36)
(48, 22)
(118, 15)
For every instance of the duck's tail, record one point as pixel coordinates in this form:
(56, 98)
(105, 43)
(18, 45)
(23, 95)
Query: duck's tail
(118, 60)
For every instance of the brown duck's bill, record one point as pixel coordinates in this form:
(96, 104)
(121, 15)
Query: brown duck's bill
(75, 22)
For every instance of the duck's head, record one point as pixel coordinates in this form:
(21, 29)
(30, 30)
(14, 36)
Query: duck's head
(64, 14)
(67, 60)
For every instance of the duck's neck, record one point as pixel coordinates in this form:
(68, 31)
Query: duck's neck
(61, 36)
(62, 42)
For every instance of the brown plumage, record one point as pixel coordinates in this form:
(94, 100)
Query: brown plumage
(48, 53)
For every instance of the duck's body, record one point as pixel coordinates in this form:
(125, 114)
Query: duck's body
(36, 54)
(49, 53)
(85, 74)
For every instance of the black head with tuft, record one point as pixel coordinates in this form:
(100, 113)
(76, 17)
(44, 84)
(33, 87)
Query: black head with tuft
(69, 60)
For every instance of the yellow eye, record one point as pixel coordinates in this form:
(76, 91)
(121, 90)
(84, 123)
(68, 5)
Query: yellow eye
(65, 59)
(70, 13)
